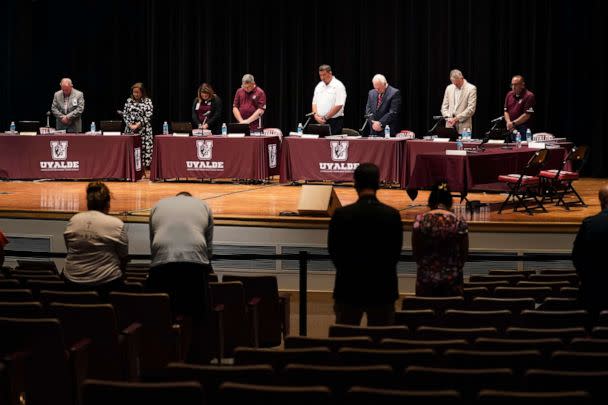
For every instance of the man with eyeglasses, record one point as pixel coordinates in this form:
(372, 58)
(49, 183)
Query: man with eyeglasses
(519, 106)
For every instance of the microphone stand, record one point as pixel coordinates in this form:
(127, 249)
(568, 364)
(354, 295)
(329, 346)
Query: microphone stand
(48, 116)
(306, 123)
(430, 131)
(367, 121)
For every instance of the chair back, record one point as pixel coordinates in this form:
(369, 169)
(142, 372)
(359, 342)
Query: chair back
(98, 392)
(578, 157)
(536, 163)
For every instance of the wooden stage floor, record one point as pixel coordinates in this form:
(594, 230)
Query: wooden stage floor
(258, 204)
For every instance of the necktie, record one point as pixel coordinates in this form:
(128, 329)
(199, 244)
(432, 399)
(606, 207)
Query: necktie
(379, 100)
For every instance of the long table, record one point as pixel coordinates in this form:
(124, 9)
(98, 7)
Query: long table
(70, 156)
(337, 159)
(209, 157)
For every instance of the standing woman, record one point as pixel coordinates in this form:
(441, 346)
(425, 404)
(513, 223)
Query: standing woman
(138, 117)
(207, 109)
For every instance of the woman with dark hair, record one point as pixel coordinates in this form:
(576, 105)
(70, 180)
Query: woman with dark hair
(440, 244)
(97, 245)
(207, 109)
(138, 112)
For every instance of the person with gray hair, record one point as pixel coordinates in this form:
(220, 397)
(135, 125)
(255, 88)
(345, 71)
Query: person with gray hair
(68, 106)
(459, 103)
(383, 107)
(328, 100)
(588, 254)
(249, 103)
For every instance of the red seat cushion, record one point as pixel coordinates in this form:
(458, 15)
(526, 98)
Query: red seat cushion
(563, 175)
(514, 178)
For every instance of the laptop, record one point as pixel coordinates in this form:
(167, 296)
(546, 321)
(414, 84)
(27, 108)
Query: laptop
(236, 128)
(322, 130)
(443, 132)
(181, 127)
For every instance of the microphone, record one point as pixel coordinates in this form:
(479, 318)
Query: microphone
(310, 114)
(438, 117)
(48, 115)
(497, 119)
(207, 113)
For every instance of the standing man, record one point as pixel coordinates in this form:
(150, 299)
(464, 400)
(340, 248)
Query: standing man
(459, 103)
(329, 100)
(364, 241)
(384, 105)
(68, 106)
(181, 241)
(589, 255)
(519, 106)
(249, 103)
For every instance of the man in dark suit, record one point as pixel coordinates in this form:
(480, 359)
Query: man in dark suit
(364, 242)
(589, 257)
(383, 107)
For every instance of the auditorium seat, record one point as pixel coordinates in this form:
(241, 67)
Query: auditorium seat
(589, 345)
(235, 393)
(279, 358)
(376, 333)
(512, 279)
(565, 334)
(469, 334)
(525, 273)
(490, 285)
(438, 345)
(593, 382)
(414, 318)
(554, 319)
(537, 293)
(437, 304)
(579, 361)
(98, 392)
(515, 305)
(546, 346)
(21, 310)
(398, 359)
(496, 397)
(470, 293)
(560, 304)
(334, 344)
(517, 360)
(366, 396)
(15, 295)
(571, 278)
(455, 318)
(69, 297)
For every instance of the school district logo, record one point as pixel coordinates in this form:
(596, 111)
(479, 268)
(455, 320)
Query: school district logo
(272, 155)
(204, 149)
(59, 150)
(339, 150)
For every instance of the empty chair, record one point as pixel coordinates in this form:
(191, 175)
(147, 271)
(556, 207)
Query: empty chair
(438, 304)
(499, 319)
(69, 297)
(554, 319)
(560, 304)
(554, 285)
(572, 278)
(396, 358)
(538, 293)
(515, 305)
(111, 126)
(38, 285)
(365, 395)
(517, 360)
(579, 361)
(21, 310)
(568, 292)
(533, 398)
(16, 295)
(98, 392)
(512, 279)
(35, 265)
(557, 184)
(593, 382)
(280, 358)
(235, 393)
(566, 334)
(490, 285)
(589, 345)
(334, 344)
(469, 334)
(545, 345)
(413, 318)
(9, 283)
(600, 332)
(556, 271)
(376, 333)
(470, 293)
(602, 319)
(525, 273)
(439, 346)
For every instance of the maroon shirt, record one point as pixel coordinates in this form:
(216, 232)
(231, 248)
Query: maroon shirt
(516, 105)
(248, 103)
(203, 107)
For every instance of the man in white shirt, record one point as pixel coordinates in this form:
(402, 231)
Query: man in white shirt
(329, 100)
(459, 103)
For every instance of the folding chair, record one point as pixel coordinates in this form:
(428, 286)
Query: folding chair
(557, 183)
(526, 185)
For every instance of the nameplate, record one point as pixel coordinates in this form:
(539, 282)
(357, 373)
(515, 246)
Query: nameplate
(455, 152)
(441, 139)
(28, 133)
(183, 134)
(497, 141)
(111, 133)
(293, 133)
(236, 135)
(309, 136)
(197, 132)
(46, 130)
(93, 133)
(341, 136)
(536, 145)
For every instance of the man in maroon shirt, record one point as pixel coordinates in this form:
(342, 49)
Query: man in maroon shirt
(519, 106)
(249, 103)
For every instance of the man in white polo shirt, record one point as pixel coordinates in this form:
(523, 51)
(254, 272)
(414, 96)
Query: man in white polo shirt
(329, 100)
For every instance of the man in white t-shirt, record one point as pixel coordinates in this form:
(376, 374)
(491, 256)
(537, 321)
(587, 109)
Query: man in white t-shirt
(329, 100)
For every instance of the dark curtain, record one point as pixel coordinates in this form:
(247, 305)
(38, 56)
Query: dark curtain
(105, 46)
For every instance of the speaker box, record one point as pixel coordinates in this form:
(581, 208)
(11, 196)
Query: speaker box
(318, 200)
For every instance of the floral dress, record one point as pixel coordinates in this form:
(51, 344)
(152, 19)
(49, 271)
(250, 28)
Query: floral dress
(141, 111)
(440, 245)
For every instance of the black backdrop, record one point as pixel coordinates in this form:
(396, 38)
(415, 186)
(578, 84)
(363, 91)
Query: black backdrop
(172, 46)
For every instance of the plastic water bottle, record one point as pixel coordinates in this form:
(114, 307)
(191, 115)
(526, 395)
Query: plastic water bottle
(12, 128)
(467, 133)
(528, 135)
(300, 129)
(387, 131)
(224, 129)
(165, 128)
(518, 138)
(459, 145)
(93, 128)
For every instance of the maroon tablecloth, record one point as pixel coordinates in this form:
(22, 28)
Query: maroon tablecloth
(70, 156)
(475, 170)
(250, 157)
(337, 159)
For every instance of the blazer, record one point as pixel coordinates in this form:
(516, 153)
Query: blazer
(387, 112)
(364, 241)
(214, 118)
(75, 108)
(466, 106)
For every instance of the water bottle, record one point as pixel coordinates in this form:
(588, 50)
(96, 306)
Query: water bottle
(12, 128)
(300, 129)
(224, 129)
(165, 128)
(93, 128)
(518, 138)
(459, 145)
(387, 131)
(467, 132)
(528, 135)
